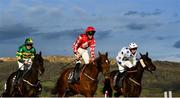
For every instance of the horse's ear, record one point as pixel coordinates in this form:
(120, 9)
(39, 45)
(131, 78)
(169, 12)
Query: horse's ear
(146, 53)
(99, 53)
(106, 54)
(40, 53)
(140, 54)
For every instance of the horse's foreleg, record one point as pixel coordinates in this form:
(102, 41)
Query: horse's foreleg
(61, 93)
(69, 93)
(66, 92)
(89, 93)
(117, 94)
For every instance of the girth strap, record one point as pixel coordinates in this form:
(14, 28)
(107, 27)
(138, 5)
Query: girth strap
(89, 76)
(134, 81)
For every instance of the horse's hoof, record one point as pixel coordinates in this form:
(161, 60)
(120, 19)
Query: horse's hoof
(116, 94)
(116, 88)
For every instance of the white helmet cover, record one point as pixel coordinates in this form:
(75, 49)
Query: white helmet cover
(133, 45)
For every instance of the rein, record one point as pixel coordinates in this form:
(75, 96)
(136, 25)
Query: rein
(25, 80)
(132, 71)
(143, 65)
(87, 74)
(134, 81)
(89, 77)
(33, 85)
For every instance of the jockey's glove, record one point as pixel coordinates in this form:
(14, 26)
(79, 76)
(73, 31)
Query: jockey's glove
(21, 60)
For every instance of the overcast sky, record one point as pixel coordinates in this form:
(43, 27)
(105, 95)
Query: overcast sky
(54, 25)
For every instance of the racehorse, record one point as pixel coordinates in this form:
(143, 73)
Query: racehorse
(131, 82)
(29, 84)
(87, 84)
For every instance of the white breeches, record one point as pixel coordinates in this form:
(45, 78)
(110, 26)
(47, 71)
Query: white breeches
(22, 66)
(84, 54)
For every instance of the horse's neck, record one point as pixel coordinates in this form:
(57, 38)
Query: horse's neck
(92, 70)
(32, 74)
(138, 75)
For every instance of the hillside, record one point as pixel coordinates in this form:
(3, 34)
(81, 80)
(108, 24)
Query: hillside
(166, 77)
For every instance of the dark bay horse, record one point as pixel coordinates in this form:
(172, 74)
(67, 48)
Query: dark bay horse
(87, 84)
(131, 83)
(30, 84)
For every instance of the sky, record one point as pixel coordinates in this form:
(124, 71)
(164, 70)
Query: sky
(54, 25)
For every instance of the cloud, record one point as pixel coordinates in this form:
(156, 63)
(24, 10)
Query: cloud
(177, 44)
(45, 11)
(143, 14)
(142, 26)
(160, 38)
(178, 21)
(175, 14)
(69, 34)
(175, 22)
(131, 13)
(163, 37)
(66, 33)
(38, 10)
(100, 35)
(9, 32)
(80, 11)
(134, 26)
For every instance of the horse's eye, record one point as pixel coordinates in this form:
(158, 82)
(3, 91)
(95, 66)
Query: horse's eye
(106, 61)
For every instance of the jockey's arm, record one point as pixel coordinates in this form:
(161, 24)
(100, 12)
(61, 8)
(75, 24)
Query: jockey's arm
(128, 64)
(119, 57)
(76, 44)
(19, 55)
(134, 61)
(33, 53)
(92, 50)
(20, 59)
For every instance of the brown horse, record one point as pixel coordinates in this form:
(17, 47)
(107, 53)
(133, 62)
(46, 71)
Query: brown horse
(29, 86)
(131, 83)
(87, 84)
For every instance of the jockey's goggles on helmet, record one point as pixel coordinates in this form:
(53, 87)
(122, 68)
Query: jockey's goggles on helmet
(133, 48)
(30, 44)
(91, 32)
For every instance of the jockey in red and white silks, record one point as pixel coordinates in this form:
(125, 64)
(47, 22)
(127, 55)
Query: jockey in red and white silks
(82, 43)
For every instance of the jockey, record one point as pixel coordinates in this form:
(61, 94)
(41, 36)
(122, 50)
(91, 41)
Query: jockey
(126, 58)
(80, 48)
(25, 55)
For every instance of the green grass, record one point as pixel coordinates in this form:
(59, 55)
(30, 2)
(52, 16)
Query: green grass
(166, 77)
(47, 87)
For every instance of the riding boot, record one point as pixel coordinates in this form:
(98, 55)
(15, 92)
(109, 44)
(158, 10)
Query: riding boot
(76, 73)
(21, 75)
(117, 84)
(18, 77)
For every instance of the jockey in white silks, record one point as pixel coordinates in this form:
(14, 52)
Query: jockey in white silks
(127, 57)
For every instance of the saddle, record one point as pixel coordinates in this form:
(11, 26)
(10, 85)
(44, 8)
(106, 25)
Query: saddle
(118, 79)
(74, 75)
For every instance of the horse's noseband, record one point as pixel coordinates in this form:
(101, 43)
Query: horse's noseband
(142, 63)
